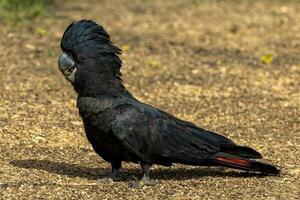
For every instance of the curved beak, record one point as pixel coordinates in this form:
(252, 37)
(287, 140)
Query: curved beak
(65, 63)
(67, 66)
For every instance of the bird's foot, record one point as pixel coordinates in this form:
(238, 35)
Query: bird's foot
(145, 181)
(115, 176)
(105, 179)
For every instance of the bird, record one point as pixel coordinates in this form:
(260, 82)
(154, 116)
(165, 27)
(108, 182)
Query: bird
(121, 128)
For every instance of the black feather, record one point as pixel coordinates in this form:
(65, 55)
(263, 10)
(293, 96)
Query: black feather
(120, 128)
(241, 151)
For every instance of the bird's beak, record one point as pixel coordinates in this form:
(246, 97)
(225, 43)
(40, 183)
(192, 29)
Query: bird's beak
(65, 63)
(67, 66)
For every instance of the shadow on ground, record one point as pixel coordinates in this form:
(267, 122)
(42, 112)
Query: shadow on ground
(75, 170)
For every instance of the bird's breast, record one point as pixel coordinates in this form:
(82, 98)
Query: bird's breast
(107, 145)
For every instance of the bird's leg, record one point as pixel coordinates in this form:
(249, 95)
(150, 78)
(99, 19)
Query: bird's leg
(115, 169)
(115, 172)
(146, 180)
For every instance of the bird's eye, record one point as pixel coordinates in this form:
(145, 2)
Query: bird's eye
(81, 58)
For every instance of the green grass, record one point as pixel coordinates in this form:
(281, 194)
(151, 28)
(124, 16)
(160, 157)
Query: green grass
(18, 10)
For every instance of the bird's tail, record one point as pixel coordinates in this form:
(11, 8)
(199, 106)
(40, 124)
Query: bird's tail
(237, 162)
(241, 151)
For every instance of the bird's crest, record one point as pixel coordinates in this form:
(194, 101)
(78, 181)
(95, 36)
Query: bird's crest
(87, 34)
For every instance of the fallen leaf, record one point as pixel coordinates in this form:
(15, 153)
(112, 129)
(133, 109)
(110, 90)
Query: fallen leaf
(267, 59)
(153, 63)
(125, 48)
(41, 31)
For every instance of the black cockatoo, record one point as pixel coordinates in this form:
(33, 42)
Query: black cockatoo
(121, 128)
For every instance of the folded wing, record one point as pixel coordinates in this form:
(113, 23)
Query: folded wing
(157, 137)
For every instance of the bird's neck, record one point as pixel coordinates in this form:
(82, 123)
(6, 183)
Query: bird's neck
(95, 84)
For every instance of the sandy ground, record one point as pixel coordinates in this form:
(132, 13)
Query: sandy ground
(199, 60)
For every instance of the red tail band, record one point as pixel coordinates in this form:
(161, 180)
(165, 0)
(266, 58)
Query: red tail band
(234, 161)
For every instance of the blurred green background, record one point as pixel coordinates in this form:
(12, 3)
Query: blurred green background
(18, 10)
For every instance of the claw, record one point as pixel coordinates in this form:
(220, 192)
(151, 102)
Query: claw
(105, 179)
(114, 176)
(145, 181)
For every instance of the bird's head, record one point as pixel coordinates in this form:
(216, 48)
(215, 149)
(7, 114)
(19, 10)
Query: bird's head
(88, 55)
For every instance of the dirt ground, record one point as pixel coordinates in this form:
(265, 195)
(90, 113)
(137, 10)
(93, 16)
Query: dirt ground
(199, 60)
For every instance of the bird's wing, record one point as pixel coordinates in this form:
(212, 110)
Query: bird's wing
(157, 136)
